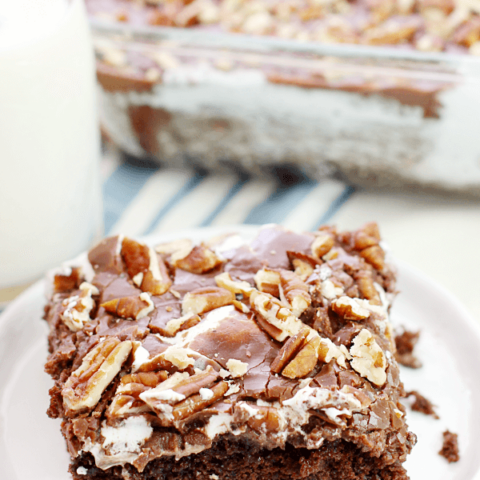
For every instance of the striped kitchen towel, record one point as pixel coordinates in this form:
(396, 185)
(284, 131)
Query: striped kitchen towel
(144, 199)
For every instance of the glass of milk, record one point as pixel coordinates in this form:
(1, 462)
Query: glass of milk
(50, 205)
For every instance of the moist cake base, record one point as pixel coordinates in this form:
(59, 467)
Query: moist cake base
(233, 459)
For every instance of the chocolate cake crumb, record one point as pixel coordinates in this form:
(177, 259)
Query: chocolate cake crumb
(405, 343)
(422, 404)
(450, 447)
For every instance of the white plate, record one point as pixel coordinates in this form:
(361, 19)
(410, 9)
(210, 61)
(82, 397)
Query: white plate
(32, 447)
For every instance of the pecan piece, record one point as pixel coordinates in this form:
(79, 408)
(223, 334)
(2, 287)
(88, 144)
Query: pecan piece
(367, 288)
(295, 291)
(368, 358)
(363, 240)
(127, 397)
(349, 309)
(199, 260)
(135, 307)
(203, 300)
(268, 281)
(177, 249)
(136, 256)
(179, 324)
(276, 314)
(322, 244)
(305, 360)
(375, 256)
(371, 229)
(99, 367)
(302, 264)
(289, 350)
(79, 307)
(145, 267)
(156, 398)
(224, 280)
(64, 283)
(265, 418)
(197, 403)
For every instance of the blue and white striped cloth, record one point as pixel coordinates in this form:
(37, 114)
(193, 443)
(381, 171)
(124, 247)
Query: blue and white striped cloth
(142, 200)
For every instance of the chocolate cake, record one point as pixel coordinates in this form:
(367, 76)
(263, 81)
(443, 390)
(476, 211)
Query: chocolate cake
(229, 359)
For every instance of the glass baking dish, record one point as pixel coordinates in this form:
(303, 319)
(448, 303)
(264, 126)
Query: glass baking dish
(374, 116)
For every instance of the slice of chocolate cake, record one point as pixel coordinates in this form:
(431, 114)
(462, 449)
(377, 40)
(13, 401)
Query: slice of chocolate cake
(229, 360)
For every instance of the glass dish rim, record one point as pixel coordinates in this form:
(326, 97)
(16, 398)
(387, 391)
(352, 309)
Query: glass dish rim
(239, 41)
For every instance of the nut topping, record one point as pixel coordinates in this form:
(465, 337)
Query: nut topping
(302, 264)
(79, 307)
(99, 367)
(237, 368)
(63, 282)
(127, 397)
(224, 280)
(322, 244)
(132, 307)
(202, 300)
(196, 403)
(367, 288)
(375, 256)
(368, 358)
(268, 281)
(177, 249)
(276, 314)
(179, 324)
(349, 309)
(199, 260)
(295, 291)
(289, 350)
(305, 360)
(145, 267)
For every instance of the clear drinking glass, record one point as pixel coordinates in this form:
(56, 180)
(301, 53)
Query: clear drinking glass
(50, 203)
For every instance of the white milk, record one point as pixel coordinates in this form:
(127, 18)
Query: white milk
(50, 206)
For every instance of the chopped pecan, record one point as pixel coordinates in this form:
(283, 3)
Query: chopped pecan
(289, 350)
(65, 282)
(149, 379)
(392, 31)
(305, 360)
(349, 309)
(375, 256)
(136, 256)
(371, 229)
(302, 264)
(203, 300)
(367, 288)
(178, 248)
(196, 403)
(145, 267)
(178, 356)
(268, 281)
(322, 244)
(156, 398)
(265, 418)
(295, 291)
(179, 324)
(134, 306)
(224, 280)
(99, 367)
(79, 307)
(368, 358)
(363, 240)
(237, 368)
(199, 260)
(127, 397)
(275, 313)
